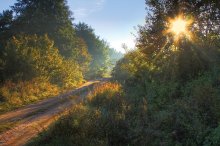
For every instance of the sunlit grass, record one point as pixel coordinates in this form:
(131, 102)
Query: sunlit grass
(7, 125)
(14, 95)
(106, 87)
(88, 123)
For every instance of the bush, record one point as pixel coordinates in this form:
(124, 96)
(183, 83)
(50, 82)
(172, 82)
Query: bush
(27, 57)
(213, 139)
(182, 106)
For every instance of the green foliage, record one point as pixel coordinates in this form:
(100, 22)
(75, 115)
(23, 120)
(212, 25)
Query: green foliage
(46, 17)
(214, 138)
(114, 56)
(98, 49)
(184, 58)
(178, 114)
(30, 56)
(51, 18)
(180, 80)
(27, 57)
(70, 74)
(6, 19)
(82, 56)
(132, 63)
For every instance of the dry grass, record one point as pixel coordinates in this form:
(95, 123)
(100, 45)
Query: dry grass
(13, 95)
(90, 123)
(102, 88)
(6, 126)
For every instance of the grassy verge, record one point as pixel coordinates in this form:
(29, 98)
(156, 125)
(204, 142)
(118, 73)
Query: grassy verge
(87, 123)
(8, 125)
(15, 95)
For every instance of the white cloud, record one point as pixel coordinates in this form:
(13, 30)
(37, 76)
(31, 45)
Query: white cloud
(87, 7)
(100, 3)
(80, 12)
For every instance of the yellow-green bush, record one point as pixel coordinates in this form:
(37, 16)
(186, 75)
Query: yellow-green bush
(30, 56)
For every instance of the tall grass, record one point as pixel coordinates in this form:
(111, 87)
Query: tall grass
(13, 95)
(91, 123)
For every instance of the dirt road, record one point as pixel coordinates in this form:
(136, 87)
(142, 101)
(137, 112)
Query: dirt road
(33, 119)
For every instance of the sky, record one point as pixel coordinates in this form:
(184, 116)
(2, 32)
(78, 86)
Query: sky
(112, 20)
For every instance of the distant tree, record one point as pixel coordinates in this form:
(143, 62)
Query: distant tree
(81, 55)
(99, 49)
(114, 56)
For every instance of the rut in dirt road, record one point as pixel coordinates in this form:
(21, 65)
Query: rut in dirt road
(34, 118)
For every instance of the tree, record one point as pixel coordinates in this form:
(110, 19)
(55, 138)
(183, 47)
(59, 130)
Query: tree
(82, 56)
(99, 49)
(6, 19)
(185, 58)
(51, 18)
(114, 56)
(46, 17)
(27, 57)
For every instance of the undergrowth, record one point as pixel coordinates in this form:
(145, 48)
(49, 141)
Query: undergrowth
(14, 95)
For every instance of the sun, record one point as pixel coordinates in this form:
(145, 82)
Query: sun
(179, 27)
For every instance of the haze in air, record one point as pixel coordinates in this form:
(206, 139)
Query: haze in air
(108, 72)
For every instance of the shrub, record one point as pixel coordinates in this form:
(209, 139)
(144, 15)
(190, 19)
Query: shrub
(27, 57)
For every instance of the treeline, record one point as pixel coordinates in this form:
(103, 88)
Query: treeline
(169, 92)
(38, 41)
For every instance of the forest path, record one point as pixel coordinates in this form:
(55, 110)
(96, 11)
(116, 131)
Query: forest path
(34, 118)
